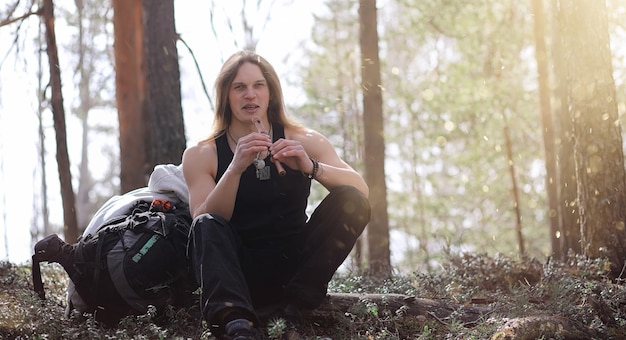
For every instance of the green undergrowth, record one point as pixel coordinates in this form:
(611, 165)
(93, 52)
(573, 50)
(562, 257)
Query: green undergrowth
(578, 290)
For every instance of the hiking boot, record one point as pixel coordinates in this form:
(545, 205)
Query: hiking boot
(53, 249)
(240, 329)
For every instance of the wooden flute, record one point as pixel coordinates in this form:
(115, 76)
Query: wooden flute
(261, 128)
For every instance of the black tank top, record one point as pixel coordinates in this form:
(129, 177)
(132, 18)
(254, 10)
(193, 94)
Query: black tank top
(266, 212)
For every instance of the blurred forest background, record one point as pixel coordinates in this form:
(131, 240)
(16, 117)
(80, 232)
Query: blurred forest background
(479, 127)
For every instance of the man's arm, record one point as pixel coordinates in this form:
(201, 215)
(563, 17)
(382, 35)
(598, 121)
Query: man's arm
(302, 145)
(332, 171)
(205, 196)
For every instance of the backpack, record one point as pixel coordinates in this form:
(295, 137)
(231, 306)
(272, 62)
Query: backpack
(131, 262)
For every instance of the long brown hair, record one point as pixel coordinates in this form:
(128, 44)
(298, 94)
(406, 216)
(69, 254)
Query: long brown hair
(276, 110)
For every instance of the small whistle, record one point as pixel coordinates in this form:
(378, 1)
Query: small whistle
(259, 126)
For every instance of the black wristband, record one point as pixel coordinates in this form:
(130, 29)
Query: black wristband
(316, 166)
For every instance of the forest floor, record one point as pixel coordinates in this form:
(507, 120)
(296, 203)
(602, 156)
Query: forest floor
(474, 297)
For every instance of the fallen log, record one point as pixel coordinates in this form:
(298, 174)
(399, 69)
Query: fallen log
(399, 304)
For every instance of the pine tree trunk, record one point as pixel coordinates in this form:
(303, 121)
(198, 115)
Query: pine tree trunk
(378, 228)
(130, 84)
(166, 138)
(70, 227)
(598, 148)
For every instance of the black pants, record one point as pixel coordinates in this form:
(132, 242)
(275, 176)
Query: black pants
(232, 275)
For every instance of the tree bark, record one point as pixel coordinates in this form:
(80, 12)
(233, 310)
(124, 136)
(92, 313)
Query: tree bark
(148, 89)
(165, 139)
(378, 228)
(598, 149)
(130, 84)
(70, 227)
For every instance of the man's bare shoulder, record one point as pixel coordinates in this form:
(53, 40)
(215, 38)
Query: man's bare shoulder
(303, 134)
(201, 156)
(315, 143)
(201, 148)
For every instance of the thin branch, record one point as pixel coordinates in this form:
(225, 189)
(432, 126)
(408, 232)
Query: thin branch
(12, 10)
(20, 20)
(206, 92)
(22, 17)
(267, 17)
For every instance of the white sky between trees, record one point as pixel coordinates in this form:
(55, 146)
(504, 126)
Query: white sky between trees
(289, 26)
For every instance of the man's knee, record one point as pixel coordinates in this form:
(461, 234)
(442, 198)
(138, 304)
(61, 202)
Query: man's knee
(210, 219)
(207, 228)
(353, 202)
(206, 223)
